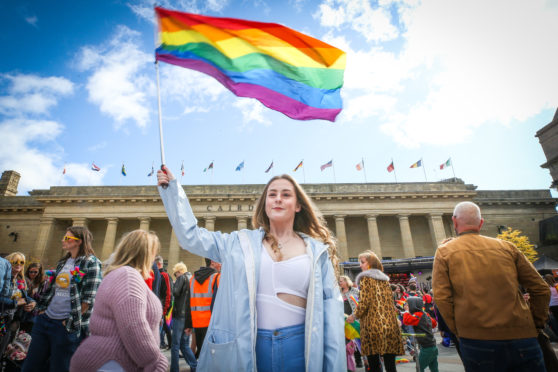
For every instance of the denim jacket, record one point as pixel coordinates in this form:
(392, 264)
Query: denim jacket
(6, 301)
(231, 337)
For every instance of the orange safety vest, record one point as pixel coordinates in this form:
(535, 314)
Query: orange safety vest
(200, 300)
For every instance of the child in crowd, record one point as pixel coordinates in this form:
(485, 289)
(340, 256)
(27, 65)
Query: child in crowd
(422, 324)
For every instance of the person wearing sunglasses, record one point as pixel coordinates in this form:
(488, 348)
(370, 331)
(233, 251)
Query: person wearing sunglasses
(34, 278)
(18, 293)
(66, 304)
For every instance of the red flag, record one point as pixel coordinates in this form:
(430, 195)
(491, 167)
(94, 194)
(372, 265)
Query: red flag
(390, 167)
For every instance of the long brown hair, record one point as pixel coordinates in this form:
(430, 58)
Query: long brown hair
(308, 220)
(85, 247)
(39, 278)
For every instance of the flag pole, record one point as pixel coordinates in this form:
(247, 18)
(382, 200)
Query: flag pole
(452, 169)
(303, 171)
(394, 173)
(423, 169)
(162, 146)
(364, 170)
(333, 166)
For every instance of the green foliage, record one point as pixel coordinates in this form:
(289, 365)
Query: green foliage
(521, 242)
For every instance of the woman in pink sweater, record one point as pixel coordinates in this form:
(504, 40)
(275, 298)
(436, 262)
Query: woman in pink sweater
(125, 324)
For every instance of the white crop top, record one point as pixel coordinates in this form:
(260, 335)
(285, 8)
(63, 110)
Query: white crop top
(291, 276)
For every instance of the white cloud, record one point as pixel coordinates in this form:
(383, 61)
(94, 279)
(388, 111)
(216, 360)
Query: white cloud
(98, 146)
(252, 111)
(194, 89)
(32, 94)
(32, 20)
(37, 169)
(144, 8)
(82, 175)
(461, 65)
(494, 62)
(374, 23)
(119, 83)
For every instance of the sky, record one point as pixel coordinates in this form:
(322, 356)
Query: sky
(425, 80)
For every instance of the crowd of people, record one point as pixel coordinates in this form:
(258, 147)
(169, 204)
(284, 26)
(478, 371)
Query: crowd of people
(270, 299)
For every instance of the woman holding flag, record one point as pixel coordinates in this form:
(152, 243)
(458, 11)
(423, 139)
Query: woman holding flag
(278, 306)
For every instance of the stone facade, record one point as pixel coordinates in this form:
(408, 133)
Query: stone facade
(402, 220)
(548, 138)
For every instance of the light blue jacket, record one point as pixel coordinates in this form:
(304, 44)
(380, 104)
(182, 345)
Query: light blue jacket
(230, 343)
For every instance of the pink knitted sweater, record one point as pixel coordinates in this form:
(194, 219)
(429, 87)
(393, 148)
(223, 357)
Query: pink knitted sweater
(124, 326)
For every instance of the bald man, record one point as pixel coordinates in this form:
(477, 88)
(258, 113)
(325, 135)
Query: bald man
(476, 283)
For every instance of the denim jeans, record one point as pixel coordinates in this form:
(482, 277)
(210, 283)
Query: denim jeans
(520, 355)
(281, 349)
(49, 339)
(180, 342)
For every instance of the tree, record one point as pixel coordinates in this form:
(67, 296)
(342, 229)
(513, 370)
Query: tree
(521, 242)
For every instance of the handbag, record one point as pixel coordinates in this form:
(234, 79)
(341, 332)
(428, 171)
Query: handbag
(550, 360)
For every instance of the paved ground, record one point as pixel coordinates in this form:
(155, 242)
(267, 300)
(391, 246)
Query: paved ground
(448, 360)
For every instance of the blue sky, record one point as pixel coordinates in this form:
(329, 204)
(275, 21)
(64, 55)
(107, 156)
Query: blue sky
(426, 80)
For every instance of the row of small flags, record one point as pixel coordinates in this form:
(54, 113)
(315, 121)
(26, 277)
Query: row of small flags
(359, 167)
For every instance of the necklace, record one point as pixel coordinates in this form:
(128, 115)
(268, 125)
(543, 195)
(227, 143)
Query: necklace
(281, 245)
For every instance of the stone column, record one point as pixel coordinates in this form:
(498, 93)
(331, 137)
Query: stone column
(144, 223)
(174, 252)
(110, 237)
(374, 236)
(437, 230)
(45, 233)
(242, 222)
(341, 238)
(210, 223)
(406, 237)
(80, 221)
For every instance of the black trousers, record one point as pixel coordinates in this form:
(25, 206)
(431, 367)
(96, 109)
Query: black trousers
(200, 336)
(376, 366)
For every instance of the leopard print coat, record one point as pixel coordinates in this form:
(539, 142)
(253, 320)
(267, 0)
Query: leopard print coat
(379, 329)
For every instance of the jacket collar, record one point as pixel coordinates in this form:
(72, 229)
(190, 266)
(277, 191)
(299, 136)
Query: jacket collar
(374, 274)
(315, 245)
(475, 232)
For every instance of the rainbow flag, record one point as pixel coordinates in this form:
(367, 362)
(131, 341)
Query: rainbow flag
(284, 69)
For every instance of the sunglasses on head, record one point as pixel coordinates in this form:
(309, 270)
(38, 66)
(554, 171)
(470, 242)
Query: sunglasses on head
(66, 238)
(20, 262)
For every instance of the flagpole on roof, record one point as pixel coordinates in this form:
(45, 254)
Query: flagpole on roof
(303, 171)
(394, 173)
(423, 169)
(452, 168)
(364, 170)
(333, 166)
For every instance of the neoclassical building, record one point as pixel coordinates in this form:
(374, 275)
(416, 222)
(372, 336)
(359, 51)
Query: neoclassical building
(403, 220)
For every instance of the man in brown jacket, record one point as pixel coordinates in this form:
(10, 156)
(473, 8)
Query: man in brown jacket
(476, 283)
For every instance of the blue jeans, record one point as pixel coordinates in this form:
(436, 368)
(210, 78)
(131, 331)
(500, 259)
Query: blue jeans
(520, 355)
(281, 349)
(180, 343)
(50, 340)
